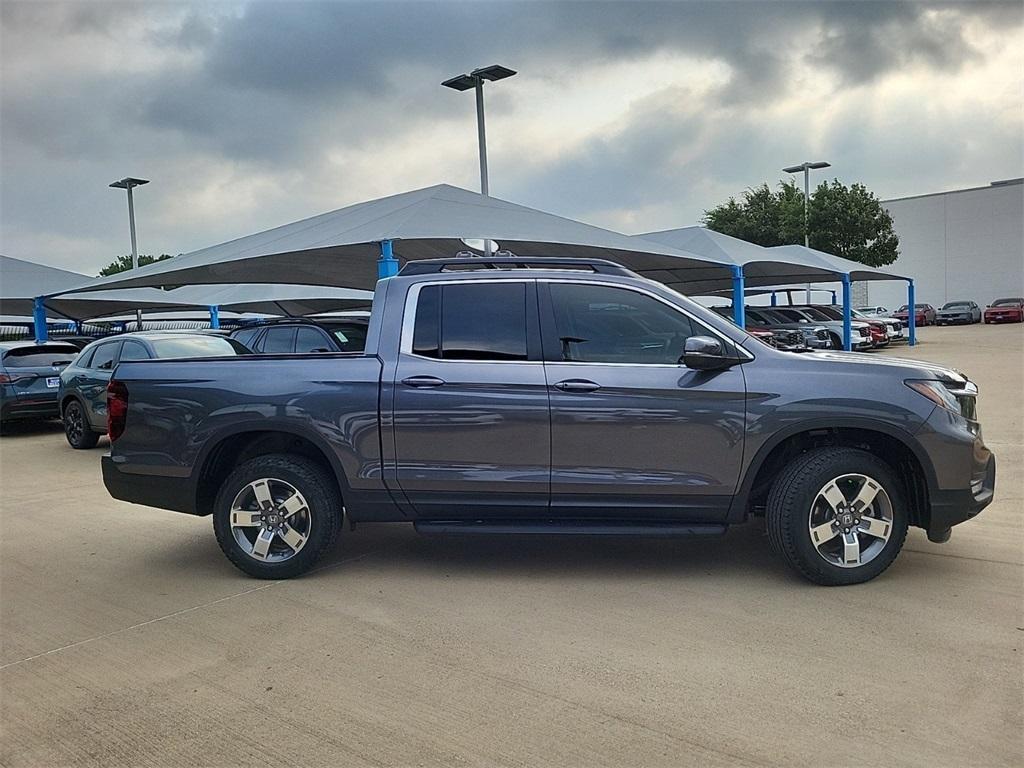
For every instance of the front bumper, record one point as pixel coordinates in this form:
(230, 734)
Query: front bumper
(952, 507)
(173, 493)
(1002, 317)
(953, 319)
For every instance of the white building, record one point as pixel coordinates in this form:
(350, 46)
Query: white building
(963, 244)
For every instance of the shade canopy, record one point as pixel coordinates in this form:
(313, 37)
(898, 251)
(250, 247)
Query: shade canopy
(21, 281)
(341, 248)
(292, 300)
(761, 266)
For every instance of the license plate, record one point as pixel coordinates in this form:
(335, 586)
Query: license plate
(53, 381)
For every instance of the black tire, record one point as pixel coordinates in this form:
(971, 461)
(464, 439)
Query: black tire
(77, 429)
(837, 341)
(323, 501)
(789, 507)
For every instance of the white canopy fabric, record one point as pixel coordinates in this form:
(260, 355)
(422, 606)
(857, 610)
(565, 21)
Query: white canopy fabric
(341, 248)
(21, 281)
(292, 300)
(761, 266)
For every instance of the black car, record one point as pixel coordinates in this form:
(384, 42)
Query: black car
(292, 335)
(83, 384)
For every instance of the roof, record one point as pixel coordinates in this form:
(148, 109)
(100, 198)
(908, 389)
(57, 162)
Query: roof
(992, 185)
(21, 281)
(341, 248)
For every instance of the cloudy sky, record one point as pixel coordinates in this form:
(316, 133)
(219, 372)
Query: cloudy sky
(635, 116)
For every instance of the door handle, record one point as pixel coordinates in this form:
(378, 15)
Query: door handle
(423, 382)
(577, 385)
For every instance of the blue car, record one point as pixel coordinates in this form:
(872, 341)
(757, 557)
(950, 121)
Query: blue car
(83, 385)
(29, 378)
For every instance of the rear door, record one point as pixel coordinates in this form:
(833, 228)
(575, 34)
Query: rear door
(278, 340)
(472, 436)
(634, 432)
(94, 380)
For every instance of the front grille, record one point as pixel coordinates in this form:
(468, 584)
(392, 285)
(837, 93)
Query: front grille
(897, 326)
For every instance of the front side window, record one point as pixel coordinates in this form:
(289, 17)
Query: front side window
(604, 324)
(247, 336)
(471, 321)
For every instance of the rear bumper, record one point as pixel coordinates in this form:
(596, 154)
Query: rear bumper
(173, 493)
(44, 407)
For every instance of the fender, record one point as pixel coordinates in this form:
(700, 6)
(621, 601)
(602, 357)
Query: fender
(738, 509)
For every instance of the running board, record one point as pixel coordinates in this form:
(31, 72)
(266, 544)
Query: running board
(571, 527)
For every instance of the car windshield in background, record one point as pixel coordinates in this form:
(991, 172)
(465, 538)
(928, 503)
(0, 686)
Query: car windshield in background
(956, 305)
(1007, 302)
(36, 357)
(198, 346)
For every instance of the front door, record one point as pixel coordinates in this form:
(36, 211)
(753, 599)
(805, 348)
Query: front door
(634, 432)
(470, 402)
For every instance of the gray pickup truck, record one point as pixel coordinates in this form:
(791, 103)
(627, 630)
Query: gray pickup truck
(552, 396)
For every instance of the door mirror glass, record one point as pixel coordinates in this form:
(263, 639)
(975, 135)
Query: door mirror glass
(704, 353)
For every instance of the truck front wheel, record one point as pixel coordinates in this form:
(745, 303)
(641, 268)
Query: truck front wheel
(837, 516)
(276, 515)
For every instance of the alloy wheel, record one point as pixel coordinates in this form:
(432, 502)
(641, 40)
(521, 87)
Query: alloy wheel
(270, 520)
(850, 520)
(74, 423)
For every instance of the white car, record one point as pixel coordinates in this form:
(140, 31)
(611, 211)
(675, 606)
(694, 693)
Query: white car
(892, 325)
(873, 311)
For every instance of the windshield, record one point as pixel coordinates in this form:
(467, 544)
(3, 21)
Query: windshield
(1007, 302)
(38, 357)
(198, 346)
(956, 305)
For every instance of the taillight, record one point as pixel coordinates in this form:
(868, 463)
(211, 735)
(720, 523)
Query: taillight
(6, 378)
(117, 409)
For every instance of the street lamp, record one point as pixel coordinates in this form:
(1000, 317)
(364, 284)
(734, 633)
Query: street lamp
(806, 168)
(475, 80)
(128, 183)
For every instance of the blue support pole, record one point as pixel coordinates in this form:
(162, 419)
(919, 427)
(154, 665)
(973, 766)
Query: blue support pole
(847, 314)
(775, 299)
(739, 296)
(387, 264)
(215, 316)
(911, 312)
(39, 320)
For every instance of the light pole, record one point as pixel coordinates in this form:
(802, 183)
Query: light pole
(475, 80)
(128, 183)
(807, 168)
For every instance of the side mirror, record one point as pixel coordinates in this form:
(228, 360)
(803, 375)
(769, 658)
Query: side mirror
(703, 353)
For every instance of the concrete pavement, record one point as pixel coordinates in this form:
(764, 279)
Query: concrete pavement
(128, 639)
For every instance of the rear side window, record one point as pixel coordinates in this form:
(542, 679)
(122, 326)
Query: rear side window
(473, 321)
(247, 336)
(40, 357)
(279, 341)
(133, 350)
(103, 357)
(312, 340)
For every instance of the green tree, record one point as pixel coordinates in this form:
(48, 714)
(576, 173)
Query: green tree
(846, 221)
(124, 263)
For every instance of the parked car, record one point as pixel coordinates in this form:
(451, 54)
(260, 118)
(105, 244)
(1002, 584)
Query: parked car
(953, 312)
(1005, 311)
(780, 338)
(303, 335)
(924, 314)
(878, 327)
(499, 399)
(860, 340)
(895, 328)
(815, 336)
(83, 384)
(29, 378)
(873, 311)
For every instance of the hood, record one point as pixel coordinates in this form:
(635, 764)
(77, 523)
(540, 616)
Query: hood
(913, 368)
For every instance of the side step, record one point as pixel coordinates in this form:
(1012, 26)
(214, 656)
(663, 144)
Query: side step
(571, 527)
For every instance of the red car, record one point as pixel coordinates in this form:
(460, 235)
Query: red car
(1005, 311)
(924, 314)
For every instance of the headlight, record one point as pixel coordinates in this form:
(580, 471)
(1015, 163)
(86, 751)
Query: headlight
(959, 397)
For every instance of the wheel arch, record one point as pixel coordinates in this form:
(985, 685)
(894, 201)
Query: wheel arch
(229, 448)
(896, 447)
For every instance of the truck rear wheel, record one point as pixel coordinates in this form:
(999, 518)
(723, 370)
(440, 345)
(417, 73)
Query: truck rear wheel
(276, 515)
(837, 516)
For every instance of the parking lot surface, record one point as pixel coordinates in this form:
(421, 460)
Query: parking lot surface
(128, 639)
